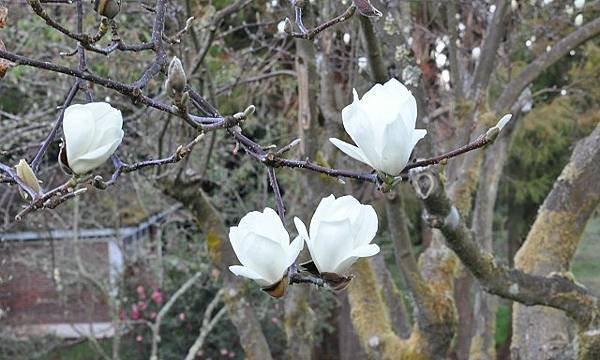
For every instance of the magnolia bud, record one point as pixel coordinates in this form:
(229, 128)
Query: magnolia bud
(107, 8)
(287, 28)
(249, 111)
(176, 79)
(26, 174)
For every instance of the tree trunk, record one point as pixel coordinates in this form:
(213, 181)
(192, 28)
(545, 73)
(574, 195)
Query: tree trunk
(540, 332)
(482, 343)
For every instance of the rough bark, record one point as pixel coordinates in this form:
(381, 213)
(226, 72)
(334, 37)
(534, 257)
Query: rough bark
(370, 316)
(483, 341)
(374, 54)
(440, 320)
(554, 237)
(550, 247)
(430, 337)
(393, 297)
(348, 341)
(491, 43)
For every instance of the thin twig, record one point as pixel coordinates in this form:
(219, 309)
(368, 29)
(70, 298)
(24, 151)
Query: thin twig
(310, 34)
(277, 192)
(57, 124)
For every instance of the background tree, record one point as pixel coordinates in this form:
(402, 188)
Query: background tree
(432, 293)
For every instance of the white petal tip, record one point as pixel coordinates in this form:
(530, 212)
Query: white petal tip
(503, 121)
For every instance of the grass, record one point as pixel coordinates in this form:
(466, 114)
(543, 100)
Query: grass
(586, 266)
(80, 351)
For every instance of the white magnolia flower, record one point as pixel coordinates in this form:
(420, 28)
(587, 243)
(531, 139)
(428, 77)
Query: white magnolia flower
(262, 245)
(578, 20)
(579, 3)
(340, 232)
(475, 53)
(281, 27)
(363, 62)
(346, 38)
(92, 134)
(514, 5)
(569, 10)
(382, 124)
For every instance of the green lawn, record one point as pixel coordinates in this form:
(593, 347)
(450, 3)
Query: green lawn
(586, 266)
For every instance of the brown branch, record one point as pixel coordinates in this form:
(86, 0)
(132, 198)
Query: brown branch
(373, 50)
(455, 70)
(37, 7)
(489, 48)
(44, 147)
(511, 92)
(556, 290)
(310, 34)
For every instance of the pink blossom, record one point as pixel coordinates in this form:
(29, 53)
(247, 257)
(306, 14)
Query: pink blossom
(181, 316)
(135, 312)
(157, 296)
(139, 338)
(142, 305)
(153, 315)
(141, 292)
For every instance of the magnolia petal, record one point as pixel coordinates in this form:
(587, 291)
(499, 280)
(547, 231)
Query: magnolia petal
(273, 227)
(322, 208)
(106, 118)
(106, 136)
(264, 256)
(253, 248)
(379, 106)
(403, 101)
(371, 96)
(79, 128)
(107, 147)
(332, 244)
(357, 124)
(363, 251)
(418, 134)
(89, 161)
(105, 114)
(249, 273)
(294, 250)
(397, 146)
(344, 207)
(301, 228)
(409, 112)
(366, 250)
(266, 224)
(235, 233)
(353, 151)
(92, 133)
(366, 227)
